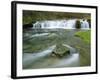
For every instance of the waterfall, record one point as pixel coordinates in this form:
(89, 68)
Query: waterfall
(51, 24)
(64, 24)
(84, 24)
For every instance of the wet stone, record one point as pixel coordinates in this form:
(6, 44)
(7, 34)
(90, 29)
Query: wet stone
(60, 51)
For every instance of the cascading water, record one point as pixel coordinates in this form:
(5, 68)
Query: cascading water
(84, 24)
(50, 24)
(64, 24)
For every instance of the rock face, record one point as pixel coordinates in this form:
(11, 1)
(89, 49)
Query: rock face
(78, 24)
(26, 26)
(60, 51)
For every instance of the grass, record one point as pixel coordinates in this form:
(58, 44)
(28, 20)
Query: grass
(85, 35)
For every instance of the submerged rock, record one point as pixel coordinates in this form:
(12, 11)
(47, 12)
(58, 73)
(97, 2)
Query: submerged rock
(60, 51)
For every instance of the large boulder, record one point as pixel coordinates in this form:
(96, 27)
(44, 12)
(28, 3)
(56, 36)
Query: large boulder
(89, 21)
(78, 24)
(60, 51)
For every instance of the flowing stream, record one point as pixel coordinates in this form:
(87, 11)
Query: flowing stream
(38, 46)
(39, 35)
(72, 60)
(29, 59)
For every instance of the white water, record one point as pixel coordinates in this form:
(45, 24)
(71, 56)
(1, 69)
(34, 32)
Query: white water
(84, 24)
(39, 35)
(72, 60)
(65, 24)
(28, 58)
(49, 24)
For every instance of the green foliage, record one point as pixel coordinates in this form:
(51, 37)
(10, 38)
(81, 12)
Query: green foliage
(33, 16)
(85, 35)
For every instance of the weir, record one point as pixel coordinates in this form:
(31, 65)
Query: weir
(63, 24)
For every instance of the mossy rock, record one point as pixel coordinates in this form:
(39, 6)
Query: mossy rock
(78, 24)
(60, 51)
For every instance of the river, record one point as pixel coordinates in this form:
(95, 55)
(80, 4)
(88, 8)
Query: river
(40, 58)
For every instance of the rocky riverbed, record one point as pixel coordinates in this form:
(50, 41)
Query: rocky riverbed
(54, 48)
